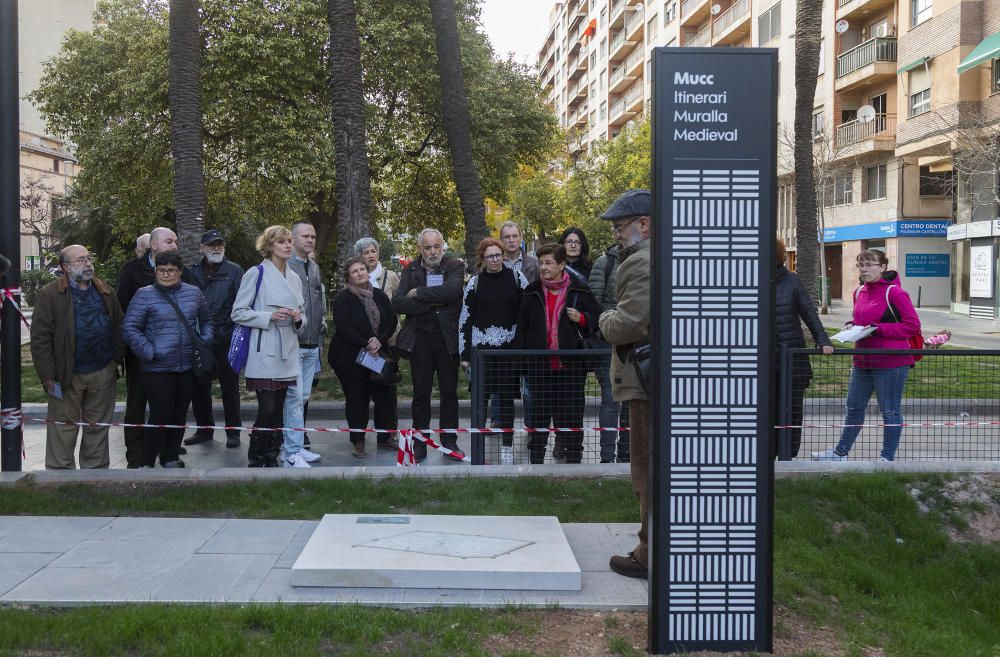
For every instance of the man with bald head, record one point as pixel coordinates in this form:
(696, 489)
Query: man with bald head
(76, 345)
(138, 273)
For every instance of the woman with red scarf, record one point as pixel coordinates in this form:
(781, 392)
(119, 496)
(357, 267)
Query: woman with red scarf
(557, 312)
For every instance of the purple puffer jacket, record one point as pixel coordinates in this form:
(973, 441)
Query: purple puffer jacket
(870, 308)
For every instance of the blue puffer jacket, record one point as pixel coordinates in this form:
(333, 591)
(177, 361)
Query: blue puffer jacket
(154, 332)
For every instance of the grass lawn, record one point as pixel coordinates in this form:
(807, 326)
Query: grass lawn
(865, 566)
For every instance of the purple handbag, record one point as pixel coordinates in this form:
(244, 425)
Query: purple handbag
(239, 348)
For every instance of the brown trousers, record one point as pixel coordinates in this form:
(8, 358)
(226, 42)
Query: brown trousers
(640, 423)
(90, 397)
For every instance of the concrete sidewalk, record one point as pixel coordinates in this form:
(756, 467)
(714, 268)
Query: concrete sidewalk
(965, 331)
(64, 561)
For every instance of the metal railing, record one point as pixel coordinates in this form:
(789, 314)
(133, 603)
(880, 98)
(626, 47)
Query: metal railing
(739, 9)
(519, 390)
(616, 9)
(950, 406)
(633, 22)
(852, 132)
(616, 43)
(687, 6)
(878, 49)
(703, 38)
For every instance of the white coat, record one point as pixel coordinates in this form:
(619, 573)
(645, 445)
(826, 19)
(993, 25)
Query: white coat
(274, 346)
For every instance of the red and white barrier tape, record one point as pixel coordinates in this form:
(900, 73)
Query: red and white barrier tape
(12, 294)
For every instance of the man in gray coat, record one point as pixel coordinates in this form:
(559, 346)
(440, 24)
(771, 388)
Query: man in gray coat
(303, 263)
(625, 327)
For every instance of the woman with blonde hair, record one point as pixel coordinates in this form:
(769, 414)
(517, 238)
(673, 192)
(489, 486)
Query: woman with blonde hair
(270, 302)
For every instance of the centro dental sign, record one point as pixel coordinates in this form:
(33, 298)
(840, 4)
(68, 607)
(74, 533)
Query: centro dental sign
(884, 229)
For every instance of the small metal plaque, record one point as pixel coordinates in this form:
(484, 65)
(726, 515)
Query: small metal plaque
(391, 520)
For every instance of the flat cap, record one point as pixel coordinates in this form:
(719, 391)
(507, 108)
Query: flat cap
(212, 236)
(633, 203)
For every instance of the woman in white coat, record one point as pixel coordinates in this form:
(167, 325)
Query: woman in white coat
(273, 361)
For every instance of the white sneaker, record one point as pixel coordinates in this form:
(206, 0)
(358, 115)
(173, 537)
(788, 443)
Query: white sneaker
(295, 461)
(506, 455)
(310, 457)
(828, 455)
(882, 459)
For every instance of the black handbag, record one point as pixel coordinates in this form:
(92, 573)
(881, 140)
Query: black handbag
(202, 356)
(641, 359)
(389, 376)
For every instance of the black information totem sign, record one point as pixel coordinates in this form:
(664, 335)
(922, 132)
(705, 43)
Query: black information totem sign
(714, 198)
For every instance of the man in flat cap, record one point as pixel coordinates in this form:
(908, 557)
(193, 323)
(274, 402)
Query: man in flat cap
(219, 279)
(625, 327)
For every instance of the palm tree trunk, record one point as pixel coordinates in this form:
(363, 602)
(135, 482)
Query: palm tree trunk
(457, 125)
(808, 32)
(353, 185)
(185, 125)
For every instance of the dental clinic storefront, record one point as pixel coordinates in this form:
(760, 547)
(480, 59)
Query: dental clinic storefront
(974, 268)
(917, 249)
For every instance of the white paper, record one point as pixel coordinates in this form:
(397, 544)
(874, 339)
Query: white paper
(374, 363)
(56, 390)
(853, 334)
(434, 280)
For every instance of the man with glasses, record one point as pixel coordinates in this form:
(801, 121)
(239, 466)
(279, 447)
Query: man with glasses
(219, 280)
(136, 274)
(76, 345)
(625, 327)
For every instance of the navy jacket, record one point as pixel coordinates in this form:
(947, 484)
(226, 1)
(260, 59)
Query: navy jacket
(220, 291)
(154, 332)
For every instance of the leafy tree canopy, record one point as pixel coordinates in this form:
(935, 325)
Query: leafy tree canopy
(265, 97)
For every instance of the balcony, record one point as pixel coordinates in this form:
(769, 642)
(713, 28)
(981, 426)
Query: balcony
(701, 40)
(856, 10)
(872, 61)
(577, 118)
(620, 46)
(616, 17)
(695, 11)
(578, 66)
(577, 93)
(634, 27)
(881, 131)
(634, 99)
(733, 25)
(620, 79)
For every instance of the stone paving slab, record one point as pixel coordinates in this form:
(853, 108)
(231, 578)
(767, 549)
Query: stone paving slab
(75, 561)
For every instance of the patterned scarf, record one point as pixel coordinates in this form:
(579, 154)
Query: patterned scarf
(367, 297)
(552, 316)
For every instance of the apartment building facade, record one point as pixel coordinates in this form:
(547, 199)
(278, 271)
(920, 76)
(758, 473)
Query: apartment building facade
(47, 165)
(895, 79)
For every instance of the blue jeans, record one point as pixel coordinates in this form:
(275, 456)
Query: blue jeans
(296, 399)
(887, 384)
(611, 414)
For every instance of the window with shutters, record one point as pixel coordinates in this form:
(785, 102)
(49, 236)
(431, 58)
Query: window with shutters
(920, 90)
(769, 24)
(920, 11)
(875, 183)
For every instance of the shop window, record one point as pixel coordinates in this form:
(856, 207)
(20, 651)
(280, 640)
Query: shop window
(920, 11)
(935, 183)
(996, 76)
(874, 183)
(769, 24)
(874, 245)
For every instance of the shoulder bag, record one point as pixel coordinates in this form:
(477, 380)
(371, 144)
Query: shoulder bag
(239, 346)
(202, 357)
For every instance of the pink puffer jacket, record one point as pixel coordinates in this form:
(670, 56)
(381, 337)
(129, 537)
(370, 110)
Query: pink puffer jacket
(895, 326)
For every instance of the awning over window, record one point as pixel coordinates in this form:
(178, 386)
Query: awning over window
(915, 63)
(988, 49)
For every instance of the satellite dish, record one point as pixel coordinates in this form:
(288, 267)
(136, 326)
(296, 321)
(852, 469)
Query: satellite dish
(842, 26)
(716, 9)
(866, 113)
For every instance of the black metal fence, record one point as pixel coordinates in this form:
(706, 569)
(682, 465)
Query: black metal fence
(550, 407)
(949, 409)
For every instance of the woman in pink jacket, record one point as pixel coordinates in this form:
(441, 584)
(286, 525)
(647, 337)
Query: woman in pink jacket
(880, 303)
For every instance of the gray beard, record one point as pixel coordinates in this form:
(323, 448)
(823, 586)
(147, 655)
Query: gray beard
(82, 276)
(215, 258)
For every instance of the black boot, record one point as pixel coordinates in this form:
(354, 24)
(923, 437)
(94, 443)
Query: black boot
(274, 449)
(257, 449)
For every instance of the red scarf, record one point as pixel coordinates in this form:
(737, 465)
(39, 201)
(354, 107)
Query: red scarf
(554, 310)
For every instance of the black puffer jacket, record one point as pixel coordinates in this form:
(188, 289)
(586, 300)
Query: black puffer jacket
(792, 307)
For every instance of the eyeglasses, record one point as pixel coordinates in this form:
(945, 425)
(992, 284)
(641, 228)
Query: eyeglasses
(493, 256)
(572, 243)
(167, 271)
(216, 246)
(82, 260)
(618, 229)
(868, 265)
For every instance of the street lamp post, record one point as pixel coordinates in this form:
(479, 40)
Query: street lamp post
(10, 241)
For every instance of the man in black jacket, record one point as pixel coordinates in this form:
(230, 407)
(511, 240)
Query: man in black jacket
(219, 280)
(430, 295)
(137, 273)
